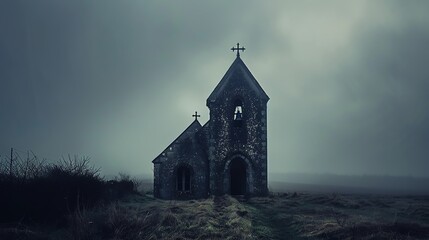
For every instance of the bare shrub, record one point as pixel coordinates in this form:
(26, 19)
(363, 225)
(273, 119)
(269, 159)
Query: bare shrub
(121, 186)
(47, 192)
(138, 185)
(77, 166)
(22, 168)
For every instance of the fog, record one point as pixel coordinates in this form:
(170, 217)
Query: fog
(119, 80)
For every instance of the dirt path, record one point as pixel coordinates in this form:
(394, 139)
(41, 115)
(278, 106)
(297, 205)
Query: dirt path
(267, 223)
(219, 206)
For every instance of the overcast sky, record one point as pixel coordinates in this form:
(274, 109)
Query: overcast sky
(119, 80)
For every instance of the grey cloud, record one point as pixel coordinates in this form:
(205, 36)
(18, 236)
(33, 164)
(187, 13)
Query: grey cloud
(119, 80)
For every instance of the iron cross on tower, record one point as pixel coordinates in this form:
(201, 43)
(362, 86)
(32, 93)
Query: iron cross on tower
(196, 115)
(238, 48)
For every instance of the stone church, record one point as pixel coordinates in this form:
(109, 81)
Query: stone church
(226, 155)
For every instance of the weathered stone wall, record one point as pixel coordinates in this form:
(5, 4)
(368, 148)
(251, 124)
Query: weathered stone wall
(187, 153)
(248, 140)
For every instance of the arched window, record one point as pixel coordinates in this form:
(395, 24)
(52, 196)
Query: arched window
(183, 179)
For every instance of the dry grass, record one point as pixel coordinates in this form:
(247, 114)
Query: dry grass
(280, 216)
(336, 216)
(140, 217)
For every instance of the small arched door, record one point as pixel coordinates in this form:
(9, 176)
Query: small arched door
(237, 177)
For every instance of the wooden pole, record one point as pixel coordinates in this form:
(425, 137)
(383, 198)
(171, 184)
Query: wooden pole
(11, 159)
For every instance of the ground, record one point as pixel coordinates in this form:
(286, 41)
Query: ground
(292, 215)
(280, 216)
(336, 216)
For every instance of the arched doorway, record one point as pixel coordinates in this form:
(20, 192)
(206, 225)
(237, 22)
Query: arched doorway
(237, 177)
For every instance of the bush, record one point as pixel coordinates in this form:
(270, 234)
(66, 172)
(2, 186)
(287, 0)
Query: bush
(51, 192)
(120, 186)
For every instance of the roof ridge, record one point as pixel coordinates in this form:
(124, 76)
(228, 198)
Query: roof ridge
(177, 138)
(247, 75)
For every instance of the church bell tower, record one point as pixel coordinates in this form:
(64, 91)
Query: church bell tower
(237, 143)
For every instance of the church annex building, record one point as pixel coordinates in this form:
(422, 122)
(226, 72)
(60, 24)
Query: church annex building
(226, 155)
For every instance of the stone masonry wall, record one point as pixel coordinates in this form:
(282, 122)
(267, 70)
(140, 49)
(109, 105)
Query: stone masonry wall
(249, 140)
(186, 153)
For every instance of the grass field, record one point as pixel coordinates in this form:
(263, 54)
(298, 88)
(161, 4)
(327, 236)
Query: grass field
(336, 216)
(294, 215)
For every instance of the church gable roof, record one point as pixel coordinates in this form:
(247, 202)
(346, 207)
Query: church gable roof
(238, 72)
(189, 131)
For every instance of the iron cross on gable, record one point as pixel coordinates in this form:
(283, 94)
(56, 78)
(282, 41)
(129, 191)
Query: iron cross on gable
(238, 48)
(196, 115)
